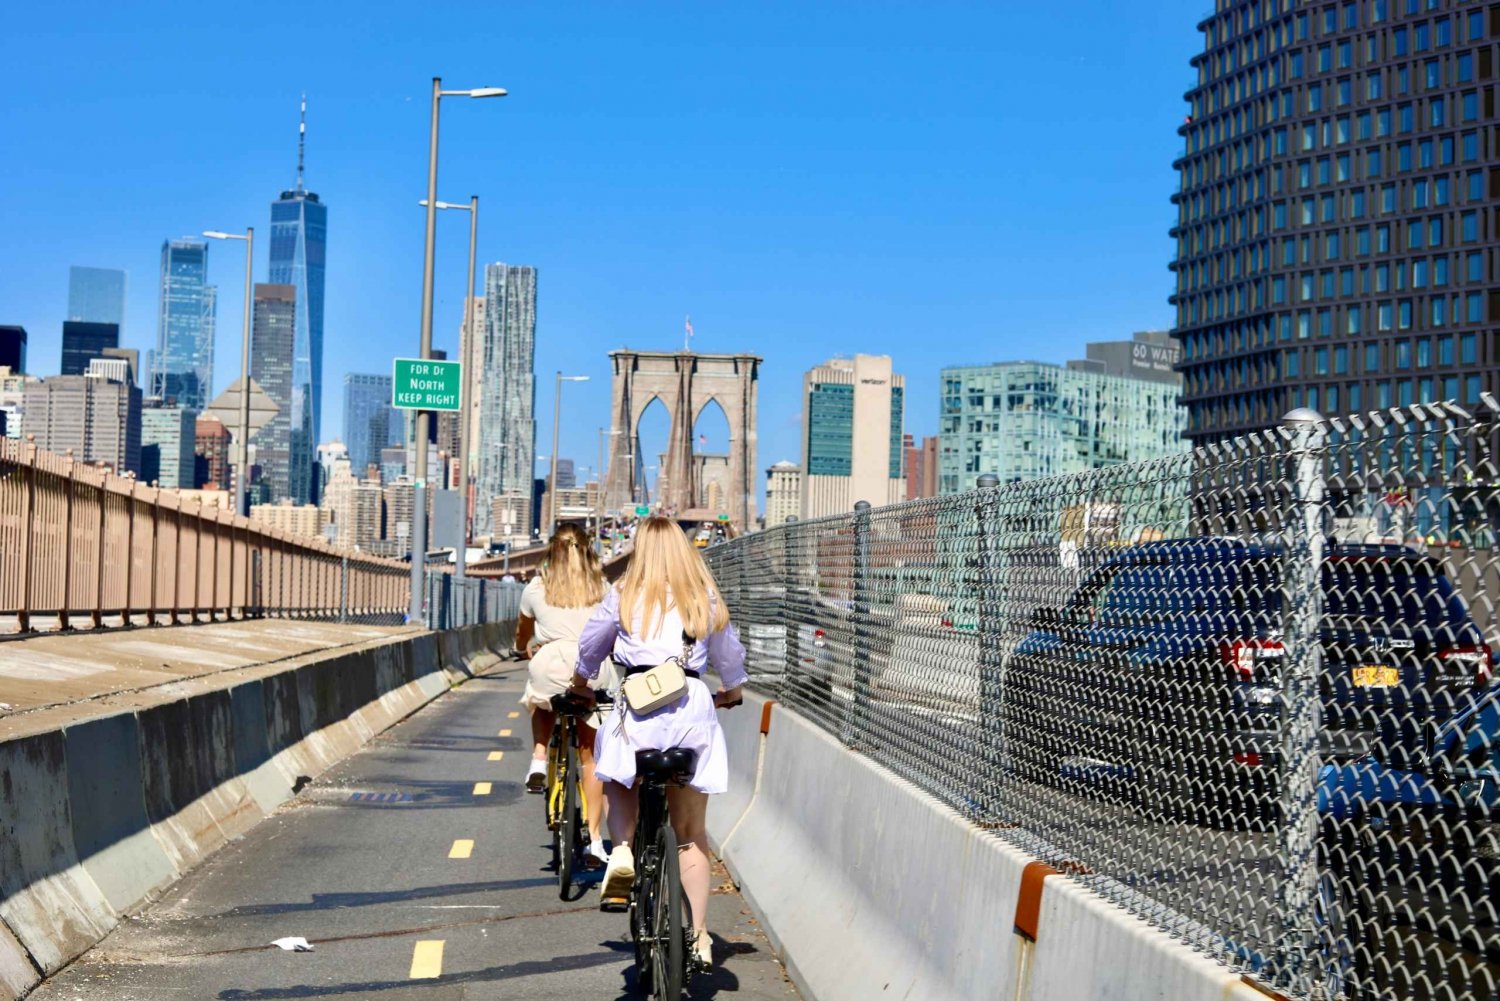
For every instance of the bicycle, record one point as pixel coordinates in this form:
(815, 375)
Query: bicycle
(661, 920)
(565, 803)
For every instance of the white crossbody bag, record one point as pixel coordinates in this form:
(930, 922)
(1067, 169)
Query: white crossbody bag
(664, 684)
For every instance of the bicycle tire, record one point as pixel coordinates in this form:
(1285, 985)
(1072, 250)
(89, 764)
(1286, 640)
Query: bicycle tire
(642, 913)
(567, 830)
(669, 960)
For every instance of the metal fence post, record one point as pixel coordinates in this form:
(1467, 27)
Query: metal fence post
(859, 703)
(63, 619)
(98, 615)
(991, 620)
(344, 590)
(1302, 708)
(28, 532)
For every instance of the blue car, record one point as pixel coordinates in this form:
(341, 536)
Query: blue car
(1158, 679)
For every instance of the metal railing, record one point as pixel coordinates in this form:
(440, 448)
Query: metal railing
(1243, 692)
(80, 546)
(456, 602)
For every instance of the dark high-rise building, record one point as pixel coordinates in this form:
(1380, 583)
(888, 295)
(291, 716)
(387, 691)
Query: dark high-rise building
(271, 348)
(83, 342)
(13, 347)
(299, 236)
(1335, 235)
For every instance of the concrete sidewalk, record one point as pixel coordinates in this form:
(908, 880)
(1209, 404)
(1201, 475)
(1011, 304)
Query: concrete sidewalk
(58, 670)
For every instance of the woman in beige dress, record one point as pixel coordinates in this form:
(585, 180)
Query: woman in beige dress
(554, 608)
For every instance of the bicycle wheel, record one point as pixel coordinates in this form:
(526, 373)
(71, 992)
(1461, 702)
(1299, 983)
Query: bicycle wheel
(566, 840)
(643, 915)
(669, 952)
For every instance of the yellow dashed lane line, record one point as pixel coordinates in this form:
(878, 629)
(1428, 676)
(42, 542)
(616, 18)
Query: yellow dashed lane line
(505, 733)
(427, 960)
(481, 788)
(462, 848)
(497, 755)
(514, 715)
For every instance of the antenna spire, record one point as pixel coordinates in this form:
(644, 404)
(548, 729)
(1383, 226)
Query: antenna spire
(301, 142)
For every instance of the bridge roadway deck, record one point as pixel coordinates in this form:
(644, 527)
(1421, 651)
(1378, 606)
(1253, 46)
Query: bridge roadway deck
(53, 671)
(359, 864)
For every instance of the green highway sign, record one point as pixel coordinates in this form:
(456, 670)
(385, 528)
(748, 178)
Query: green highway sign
(723, 517)
(643, 512)
(426, 384)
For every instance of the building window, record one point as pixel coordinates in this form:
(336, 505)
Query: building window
(1468, 349)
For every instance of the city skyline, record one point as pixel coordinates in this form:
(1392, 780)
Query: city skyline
(905, 222)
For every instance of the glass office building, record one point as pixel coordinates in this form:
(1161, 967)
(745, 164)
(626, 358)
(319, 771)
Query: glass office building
(272, 333)
(370, 422)
(183, 364)
(856, 408)
(299, 238)
(1025, 420)
(1335, 236)
(96, 295)
(83, 342)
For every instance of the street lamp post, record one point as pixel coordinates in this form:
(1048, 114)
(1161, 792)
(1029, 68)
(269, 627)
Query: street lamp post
(464, 403)
(599, 489)
(556, 419)
(419, 491)
(242, 474)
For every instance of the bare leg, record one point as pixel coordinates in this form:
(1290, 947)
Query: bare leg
(593, 786)
(623, 806)
(542, 722)
(689, 809)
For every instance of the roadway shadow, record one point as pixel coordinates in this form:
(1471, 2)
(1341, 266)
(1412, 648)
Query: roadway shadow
(429, 794)
(333, 901)
(704, 985)
(491, 974)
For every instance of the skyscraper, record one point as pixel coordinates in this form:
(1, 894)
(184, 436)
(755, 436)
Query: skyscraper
(183, 364)
(211, 454)
(271, 339)
(471, 353)
(370, 422)
(83, 342)
(96, 418)
(299, 235)
(1335, 239)
(854, 409)
(13, 347)
(783, 493)
(96, 295)
(168, 446)
(507, 435)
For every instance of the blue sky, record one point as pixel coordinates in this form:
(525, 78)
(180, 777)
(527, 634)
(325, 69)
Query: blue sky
(943, 182)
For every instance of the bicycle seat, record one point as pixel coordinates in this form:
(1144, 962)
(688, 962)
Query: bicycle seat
(567, 705)
(674, 764)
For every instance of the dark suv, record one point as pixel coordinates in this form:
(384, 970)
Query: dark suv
(1158, 680)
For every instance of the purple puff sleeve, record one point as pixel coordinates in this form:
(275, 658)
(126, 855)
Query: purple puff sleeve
(598, 637)
(727, 655)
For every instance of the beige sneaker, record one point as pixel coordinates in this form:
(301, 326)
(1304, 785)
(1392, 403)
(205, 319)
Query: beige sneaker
(619, 875)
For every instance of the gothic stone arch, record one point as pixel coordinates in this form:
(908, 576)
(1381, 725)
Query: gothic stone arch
(684, 381)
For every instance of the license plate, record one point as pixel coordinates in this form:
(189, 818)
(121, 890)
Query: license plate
(1375, 676)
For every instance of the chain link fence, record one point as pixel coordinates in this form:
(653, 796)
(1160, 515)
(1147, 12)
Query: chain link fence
(453, 602)
(1245, 692)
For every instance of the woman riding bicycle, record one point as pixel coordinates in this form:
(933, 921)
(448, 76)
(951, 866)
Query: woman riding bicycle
(554, 608)
(665, 604)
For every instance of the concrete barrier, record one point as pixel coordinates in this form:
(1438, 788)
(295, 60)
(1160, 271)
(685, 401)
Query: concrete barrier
(102, 812)
(869, 887)
(743, 737)
(51, 904)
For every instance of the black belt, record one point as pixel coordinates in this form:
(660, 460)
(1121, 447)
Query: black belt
(642, 670)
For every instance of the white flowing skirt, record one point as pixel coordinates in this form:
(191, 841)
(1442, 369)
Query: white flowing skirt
(692, 722)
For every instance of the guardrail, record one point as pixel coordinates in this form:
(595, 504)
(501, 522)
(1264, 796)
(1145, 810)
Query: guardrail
(1245, 693)
(82, 546)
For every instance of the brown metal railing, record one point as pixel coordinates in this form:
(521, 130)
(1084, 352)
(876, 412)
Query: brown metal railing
(82, 546)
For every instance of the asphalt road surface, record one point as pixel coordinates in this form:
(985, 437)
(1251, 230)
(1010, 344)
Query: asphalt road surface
(368, 865)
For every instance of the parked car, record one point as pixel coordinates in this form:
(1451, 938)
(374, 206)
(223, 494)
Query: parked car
(1159, 679)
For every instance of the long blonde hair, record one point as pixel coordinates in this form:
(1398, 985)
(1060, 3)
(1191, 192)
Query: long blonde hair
(572, 577)
(666, 572)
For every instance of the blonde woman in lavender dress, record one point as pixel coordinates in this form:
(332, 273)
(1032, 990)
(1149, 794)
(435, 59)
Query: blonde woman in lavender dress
(666, 592)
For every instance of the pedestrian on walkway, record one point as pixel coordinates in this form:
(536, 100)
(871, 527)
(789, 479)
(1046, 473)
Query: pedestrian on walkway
(554, 609)
(666, 607)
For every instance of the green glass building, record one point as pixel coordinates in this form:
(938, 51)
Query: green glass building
(1024, 420)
